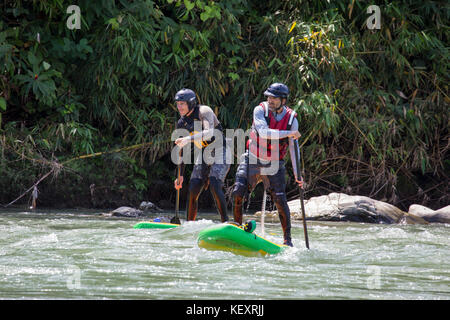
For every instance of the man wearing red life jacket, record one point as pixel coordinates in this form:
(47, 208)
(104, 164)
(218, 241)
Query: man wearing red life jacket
(274, 127)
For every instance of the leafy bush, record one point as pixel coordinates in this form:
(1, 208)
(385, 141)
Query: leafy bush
(372, 104)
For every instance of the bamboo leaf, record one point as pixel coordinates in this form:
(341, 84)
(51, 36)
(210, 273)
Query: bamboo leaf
(2, 104)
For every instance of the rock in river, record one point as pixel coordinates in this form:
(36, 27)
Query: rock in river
(149, 206)
(145, 209)
(343, 207)
(127, 212)
(441, 216)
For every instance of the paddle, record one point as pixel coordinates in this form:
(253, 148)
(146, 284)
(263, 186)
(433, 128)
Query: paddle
(263, 212)
(176, 219)
(299, 177)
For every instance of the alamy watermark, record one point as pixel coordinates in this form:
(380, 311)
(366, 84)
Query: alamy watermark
(374, 20)
(74, 20)
(74, 280)
(233, 143)
(374, 280)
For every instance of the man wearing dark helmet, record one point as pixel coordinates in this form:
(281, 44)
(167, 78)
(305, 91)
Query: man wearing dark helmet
(204, 129)
(274, 127)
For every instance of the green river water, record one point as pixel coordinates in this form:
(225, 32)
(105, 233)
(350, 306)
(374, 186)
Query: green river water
(82, 255)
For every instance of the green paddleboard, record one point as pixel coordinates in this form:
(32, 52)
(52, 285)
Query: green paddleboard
(233, 238)
(155, 225)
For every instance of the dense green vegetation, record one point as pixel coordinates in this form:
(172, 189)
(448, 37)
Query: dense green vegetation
(373, 104)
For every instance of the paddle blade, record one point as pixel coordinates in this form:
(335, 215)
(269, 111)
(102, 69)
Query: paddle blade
(175, 220)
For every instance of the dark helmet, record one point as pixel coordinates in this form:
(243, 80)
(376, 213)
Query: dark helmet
(187, 95)
(277, 90)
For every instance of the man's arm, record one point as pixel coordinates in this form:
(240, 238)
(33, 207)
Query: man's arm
(205, 127)
(292, 155)
(207, 118)
(291, 148)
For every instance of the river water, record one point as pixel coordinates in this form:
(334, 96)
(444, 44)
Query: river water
(82, 255)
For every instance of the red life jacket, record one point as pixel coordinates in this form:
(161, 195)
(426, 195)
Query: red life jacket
(263, 148)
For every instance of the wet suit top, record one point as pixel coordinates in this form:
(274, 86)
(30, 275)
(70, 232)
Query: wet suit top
(201, 124)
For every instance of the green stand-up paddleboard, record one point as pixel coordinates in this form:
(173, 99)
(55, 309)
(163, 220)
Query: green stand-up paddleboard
(155, 224)
(235, 239)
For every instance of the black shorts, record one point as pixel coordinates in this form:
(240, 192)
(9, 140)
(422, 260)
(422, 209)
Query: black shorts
(248, 175)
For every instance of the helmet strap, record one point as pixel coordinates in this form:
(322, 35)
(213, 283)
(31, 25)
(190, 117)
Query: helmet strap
(277, 110)
(189, 112)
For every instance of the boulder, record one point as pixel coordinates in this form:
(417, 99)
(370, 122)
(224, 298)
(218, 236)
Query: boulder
(440, 216)
(127, 212)
(343, 207)
(149, 206)
(146, 208)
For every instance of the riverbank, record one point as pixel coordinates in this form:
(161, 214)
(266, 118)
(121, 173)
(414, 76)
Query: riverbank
(332, 207)
(338, 207)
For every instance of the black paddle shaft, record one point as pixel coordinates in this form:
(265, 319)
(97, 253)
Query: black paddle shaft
(176, 219)
(299, 177)
(177, 204)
